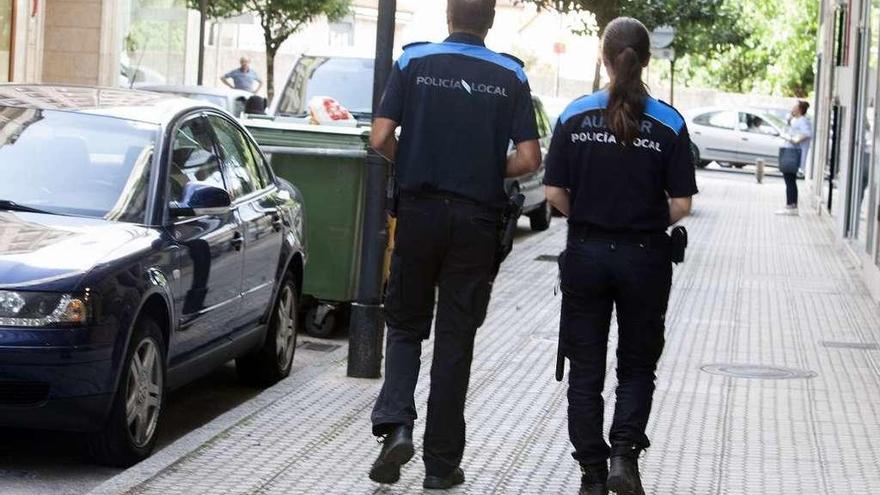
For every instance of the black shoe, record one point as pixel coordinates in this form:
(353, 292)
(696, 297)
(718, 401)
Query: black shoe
(624, 478)
(397, 450)
(456, 477)
(593, 479)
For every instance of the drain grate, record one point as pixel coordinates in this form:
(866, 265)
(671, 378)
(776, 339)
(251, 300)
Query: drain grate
(315, 346)
(548, 257)
(865, 346)
(756, 371)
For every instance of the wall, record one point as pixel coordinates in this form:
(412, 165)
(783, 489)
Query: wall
(72, 41)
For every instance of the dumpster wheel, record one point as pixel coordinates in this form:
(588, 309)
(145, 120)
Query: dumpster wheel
(322, 320)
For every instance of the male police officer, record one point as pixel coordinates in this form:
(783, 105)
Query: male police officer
(459, 105)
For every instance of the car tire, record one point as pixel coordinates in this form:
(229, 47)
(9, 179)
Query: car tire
(273, 360)
(739, 165)
(540, 218)
(130, 433)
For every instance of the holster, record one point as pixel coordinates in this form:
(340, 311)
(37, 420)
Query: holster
(509, 219)
(679, 244)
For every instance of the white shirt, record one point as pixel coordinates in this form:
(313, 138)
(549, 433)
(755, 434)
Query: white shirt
(801, 126)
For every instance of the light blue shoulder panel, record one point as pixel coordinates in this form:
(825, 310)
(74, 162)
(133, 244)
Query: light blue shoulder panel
(664, 114)
(595, 101)
(451, 48)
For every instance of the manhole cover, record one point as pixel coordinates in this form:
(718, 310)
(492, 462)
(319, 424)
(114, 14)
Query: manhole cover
(756, 371)
(850, 345)
(548, 257)
(315, 346)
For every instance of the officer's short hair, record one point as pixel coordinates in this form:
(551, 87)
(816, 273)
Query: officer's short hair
(471, 15)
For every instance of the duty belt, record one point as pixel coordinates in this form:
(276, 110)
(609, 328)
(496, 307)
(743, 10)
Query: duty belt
(595, 233)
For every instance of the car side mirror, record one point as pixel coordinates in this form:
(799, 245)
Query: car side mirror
(201, 199)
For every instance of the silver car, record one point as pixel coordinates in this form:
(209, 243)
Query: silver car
(737, 137)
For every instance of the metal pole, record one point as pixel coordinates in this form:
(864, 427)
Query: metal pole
(672, 81)
(367, 330)
(203, 15)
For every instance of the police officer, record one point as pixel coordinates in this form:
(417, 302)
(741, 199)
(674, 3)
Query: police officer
(620, 168)
(459, 105)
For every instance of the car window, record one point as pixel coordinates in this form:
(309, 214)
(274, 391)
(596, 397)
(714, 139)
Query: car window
(758, 125)
(543, 120)
(348, 80)
(721, 120)
(262, 165)
(76, 164)
(241, 165)
(193, 158)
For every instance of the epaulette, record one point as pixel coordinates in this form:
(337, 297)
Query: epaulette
(417, 43)
(511, 57)
(670, 106)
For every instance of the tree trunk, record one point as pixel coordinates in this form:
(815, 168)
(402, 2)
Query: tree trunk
(270, 72)
(597, 75)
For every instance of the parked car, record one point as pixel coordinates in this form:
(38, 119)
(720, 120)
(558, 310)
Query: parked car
(144, 241)
(350, 81)
(233, 101)
(736, 136)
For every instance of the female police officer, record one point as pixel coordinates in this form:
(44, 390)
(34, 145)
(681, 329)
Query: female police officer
(620, 169)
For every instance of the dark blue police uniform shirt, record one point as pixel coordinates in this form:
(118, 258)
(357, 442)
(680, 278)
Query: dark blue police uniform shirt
(459, 105)
(621, 188)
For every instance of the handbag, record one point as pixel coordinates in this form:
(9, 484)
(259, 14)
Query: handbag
(789, 160)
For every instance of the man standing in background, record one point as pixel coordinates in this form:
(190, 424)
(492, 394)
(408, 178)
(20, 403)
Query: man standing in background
(244, 77)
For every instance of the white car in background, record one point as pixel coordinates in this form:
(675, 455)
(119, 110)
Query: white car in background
(736, 137)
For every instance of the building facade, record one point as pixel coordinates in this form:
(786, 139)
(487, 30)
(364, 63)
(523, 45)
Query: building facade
(844, 176)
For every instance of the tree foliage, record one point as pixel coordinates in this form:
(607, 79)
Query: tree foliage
(280, 19)
(733, 45)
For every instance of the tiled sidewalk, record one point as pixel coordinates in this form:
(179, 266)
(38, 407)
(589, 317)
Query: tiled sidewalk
(757, 290)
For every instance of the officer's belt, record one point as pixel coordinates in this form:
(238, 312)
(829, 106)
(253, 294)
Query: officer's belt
(596, 233)
(442, 196)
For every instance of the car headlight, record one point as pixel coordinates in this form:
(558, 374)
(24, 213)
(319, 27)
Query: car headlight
(41, 309)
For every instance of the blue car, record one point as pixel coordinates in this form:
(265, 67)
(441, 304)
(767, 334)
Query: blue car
(144, 241)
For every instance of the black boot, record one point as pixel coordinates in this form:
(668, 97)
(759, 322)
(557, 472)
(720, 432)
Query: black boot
(397, 450)
(593, 479)
(432, 482)
(624, 478)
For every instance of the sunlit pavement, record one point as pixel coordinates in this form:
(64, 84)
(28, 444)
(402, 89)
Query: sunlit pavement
(769, 383)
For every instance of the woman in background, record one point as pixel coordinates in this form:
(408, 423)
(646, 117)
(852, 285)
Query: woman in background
(800, 136)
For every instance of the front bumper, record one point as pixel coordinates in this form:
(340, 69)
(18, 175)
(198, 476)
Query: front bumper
(55, 379)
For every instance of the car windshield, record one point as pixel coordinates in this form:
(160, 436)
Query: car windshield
(774, 119)
(76, 164)
(348, 80)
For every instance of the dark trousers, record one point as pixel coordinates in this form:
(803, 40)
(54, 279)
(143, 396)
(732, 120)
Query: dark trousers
(791, 190)
(597, 275)
(444, 249)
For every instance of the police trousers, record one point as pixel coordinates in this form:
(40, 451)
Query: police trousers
(444, 253)
(632, 274)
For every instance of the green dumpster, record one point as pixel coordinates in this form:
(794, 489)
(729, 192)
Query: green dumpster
(326, 164)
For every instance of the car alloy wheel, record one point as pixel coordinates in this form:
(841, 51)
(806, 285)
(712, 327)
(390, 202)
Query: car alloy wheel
(144, 392)
(286, 321)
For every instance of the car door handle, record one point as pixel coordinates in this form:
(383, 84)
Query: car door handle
(698, 133)
(745, 139)
(237, 241)
(277, 222)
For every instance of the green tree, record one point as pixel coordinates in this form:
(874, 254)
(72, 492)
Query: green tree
(280, 19)
(684, 15)
(774, 53)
